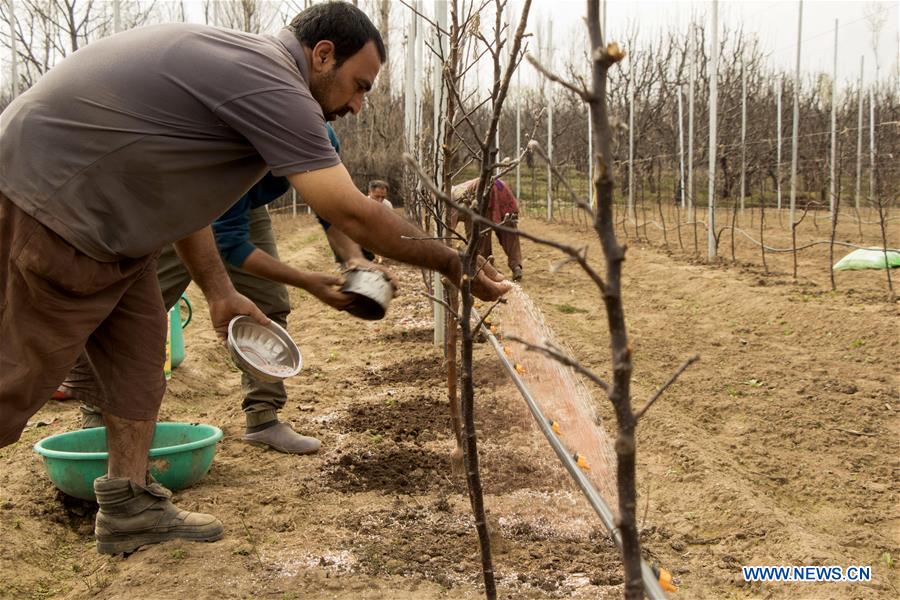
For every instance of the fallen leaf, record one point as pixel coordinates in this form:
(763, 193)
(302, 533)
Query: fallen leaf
(665, 581)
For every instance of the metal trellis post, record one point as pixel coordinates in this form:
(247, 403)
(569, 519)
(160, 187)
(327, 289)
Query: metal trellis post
(859, 132)
(713, 106)
(778, 92)
(743, 135)
(834, 92)
(795, 129)
(681, 143)
(690, 162)
(14, 58)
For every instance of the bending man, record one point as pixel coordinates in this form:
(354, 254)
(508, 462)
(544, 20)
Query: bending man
(96, 161)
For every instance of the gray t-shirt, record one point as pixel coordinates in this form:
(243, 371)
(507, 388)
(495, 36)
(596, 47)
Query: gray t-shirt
(142, 138)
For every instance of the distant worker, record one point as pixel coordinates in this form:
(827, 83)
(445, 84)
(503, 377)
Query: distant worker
(378, 191)
(503, 209)
(348, 253)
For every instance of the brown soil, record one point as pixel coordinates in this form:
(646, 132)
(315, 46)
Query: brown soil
(748, 459)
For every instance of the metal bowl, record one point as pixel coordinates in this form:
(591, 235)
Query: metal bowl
(373, 292)
(265, 352)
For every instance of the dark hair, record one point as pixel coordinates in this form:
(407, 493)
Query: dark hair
(342, 24)
(378, 184)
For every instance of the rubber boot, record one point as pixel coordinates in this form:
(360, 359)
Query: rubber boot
(132, 516)
(264, 429)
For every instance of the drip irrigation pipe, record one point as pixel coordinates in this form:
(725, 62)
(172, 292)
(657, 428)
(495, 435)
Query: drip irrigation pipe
(772, 250)
(651, 580)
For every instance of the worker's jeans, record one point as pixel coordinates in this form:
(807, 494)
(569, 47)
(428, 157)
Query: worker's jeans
(261, 399)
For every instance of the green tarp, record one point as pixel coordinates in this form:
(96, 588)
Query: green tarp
(871, 258)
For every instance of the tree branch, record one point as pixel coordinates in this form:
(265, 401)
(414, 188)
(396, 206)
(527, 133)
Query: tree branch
(557, 354)
(665, 386)
(580, 92)
(487, 313)
(575, 253)
(425, 18)
(443, 303)
(582, 204)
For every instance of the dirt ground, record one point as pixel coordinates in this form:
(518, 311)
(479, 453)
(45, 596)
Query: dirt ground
(779, 447)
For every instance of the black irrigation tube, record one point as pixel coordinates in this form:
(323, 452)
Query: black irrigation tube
(651, 580)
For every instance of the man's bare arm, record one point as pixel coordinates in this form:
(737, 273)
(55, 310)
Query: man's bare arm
(345, 248)
(331, 194)
(201, 257)
(199, 254)
(351, 255)
(321, 285)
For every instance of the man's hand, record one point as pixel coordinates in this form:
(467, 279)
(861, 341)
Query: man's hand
(488, 289)
(325, 288)
(225, 308)
(362, 263)
(201, 257)
(350, 253)
(489, 285)
(487, 267)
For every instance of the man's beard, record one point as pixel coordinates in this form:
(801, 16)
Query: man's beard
(333, 116)
(320, 92)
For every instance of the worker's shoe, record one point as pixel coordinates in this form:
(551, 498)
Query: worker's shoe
(61, 395)
(517, 273)
(281, 437)
(132, 516)
(91, 417)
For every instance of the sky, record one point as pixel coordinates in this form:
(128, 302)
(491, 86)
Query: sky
(775, 22)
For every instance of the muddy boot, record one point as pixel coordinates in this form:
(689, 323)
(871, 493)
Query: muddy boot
(281, 437)
(517, 273)
(132, 516)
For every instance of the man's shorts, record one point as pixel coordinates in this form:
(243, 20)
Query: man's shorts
(55, 302)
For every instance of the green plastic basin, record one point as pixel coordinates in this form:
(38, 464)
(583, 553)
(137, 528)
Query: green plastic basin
(180, 455)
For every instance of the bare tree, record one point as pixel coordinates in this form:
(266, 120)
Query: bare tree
(384, 26)
(46, 31)
(253, 16)
(876, 15)
(467, 44)
(604, 56)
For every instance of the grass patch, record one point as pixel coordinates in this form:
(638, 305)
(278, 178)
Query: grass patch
(568, 309)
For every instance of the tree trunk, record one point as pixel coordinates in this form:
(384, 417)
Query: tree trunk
(384, 19)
